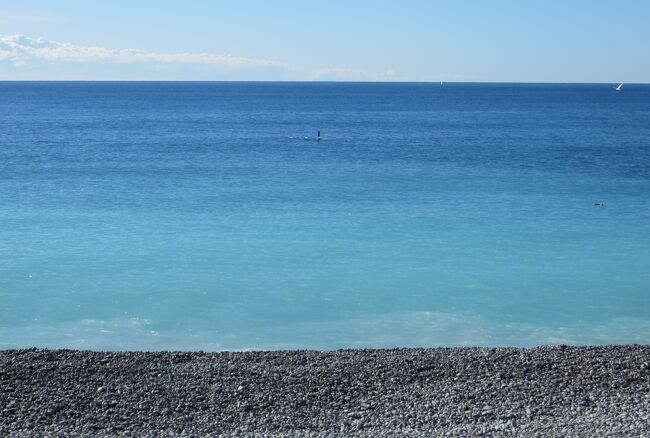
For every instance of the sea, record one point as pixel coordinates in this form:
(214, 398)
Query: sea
(210, 216)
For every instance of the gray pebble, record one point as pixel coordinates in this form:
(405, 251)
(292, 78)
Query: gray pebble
(546, 391)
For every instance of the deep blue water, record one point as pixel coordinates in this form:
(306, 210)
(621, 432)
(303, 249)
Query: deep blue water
(207, 216)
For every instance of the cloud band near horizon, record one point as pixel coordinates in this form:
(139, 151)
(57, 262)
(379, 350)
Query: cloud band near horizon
(21, 50)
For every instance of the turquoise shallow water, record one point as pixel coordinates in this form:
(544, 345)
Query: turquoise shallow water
(207, 216)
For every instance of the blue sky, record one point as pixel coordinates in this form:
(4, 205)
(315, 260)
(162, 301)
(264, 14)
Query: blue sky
(405, 40)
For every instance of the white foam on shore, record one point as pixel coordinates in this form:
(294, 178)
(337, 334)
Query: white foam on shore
(404, 329)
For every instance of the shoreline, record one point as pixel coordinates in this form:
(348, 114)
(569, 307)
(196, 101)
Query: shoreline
(461, 391)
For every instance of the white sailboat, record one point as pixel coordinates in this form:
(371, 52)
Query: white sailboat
(619, 87)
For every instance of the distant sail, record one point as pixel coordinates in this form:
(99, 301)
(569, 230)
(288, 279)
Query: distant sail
(619, 87)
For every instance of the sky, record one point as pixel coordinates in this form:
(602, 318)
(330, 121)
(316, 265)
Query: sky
(313, 40)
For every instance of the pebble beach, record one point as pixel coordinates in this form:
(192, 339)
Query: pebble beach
(544, 391)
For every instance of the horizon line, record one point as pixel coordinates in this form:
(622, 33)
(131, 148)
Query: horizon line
(324, 82)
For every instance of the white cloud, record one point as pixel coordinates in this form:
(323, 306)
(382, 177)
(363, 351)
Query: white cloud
(21, 50)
